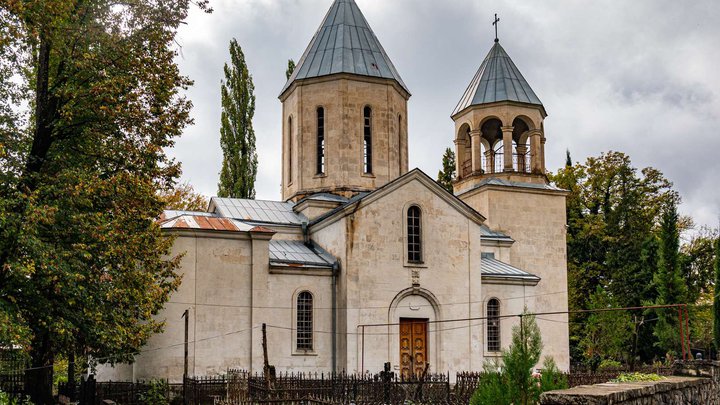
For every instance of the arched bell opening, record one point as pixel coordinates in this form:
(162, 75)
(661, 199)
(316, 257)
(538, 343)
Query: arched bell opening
(492, 153)
(463, 151)
(521, 146)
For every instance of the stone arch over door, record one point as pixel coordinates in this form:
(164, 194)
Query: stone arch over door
(415, 303)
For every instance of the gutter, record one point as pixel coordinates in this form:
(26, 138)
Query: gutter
(335, 272)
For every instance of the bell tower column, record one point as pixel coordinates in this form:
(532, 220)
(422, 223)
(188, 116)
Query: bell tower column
(507, 132)
(535, 153)
(476, 143)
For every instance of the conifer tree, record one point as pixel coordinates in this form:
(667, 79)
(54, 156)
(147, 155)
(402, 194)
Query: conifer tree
(447, 174)
(290, 69)
(716, 298)
(237, 137)
(668, 281)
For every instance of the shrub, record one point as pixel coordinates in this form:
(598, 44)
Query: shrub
(551, 378)
(609, 364)
(636, 377)
(157, 393)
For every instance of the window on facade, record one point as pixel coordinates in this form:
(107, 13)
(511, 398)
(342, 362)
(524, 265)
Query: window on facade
(290, 150)
(320, 140)
(305, 321)
(367, 140)
(414, 243)
(493, 325)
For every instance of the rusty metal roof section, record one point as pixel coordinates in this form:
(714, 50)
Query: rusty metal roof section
(204, 221)
(344, 43)
(257, 211)
(296, 254)
(491, 267)
(498, 79)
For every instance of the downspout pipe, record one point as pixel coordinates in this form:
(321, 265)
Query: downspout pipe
(335, 272)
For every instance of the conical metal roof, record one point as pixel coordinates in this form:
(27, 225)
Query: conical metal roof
(344, 43)
(498, 79)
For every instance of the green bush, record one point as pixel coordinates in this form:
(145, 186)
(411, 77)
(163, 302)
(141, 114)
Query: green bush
(609, 364)
(636, 377)
(492, 390)
(6, 399)
(551, 378)
(157, 393)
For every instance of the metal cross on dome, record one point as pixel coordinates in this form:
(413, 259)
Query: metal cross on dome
(495, 23)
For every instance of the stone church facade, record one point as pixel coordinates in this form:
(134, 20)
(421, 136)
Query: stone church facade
(364, 262)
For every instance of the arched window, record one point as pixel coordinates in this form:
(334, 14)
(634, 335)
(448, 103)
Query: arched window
(414, 241)
(367, 140)
(290, 150)
(493, 325)
(305, 321)
(320, 140)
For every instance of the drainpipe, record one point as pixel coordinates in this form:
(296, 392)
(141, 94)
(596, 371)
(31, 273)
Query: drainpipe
(335, 271)
(306, 234)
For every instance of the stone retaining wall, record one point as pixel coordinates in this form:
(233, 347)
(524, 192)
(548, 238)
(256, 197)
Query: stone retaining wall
(694, 383)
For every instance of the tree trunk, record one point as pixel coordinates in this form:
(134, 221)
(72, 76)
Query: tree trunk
(39, 378)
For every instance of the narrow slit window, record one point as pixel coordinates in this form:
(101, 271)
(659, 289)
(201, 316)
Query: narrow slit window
(493, 325)
(305, 321)
(320, 140)
(414, 241)
(367, 140)
(290, 150)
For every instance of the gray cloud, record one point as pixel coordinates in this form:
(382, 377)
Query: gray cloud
(635, 76)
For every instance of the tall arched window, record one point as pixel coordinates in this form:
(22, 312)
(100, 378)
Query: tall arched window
(305, 321)
(290, 150)
(320, 140)
(367, 140)
(493, 325)
(414, 234)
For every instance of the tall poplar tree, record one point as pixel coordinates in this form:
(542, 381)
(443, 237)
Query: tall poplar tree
(237, 137)
(668, 280)
(716, 298)
(290, 69)
(447, 174)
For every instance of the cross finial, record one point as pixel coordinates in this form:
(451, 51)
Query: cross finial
(495, 23)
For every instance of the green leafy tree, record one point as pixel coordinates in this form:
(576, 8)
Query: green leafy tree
(697, 261)
(613, 209)
(668, 281)
(447, 174)
(184, 198)
(237, 137)
(91, 99)
(290, 69)
(608, 335)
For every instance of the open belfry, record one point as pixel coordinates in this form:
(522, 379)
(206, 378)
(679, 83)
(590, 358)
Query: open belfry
(363, 261)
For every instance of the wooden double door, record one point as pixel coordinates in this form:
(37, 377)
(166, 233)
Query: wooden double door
(413, 346)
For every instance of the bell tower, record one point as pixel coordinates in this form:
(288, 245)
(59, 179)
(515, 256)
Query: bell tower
(500, 149)
(344, 112)
(499, 126)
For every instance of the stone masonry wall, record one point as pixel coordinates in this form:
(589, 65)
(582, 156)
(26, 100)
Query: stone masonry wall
(694, 383)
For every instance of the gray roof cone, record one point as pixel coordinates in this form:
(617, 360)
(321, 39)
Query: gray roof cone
(344, 43)
(498, 79)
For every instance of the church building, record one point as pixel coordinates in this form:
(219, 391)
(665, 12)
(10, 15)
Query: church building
(364, 261)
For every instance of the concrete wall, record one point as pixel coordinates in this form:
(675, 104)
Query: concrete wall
(535, 219)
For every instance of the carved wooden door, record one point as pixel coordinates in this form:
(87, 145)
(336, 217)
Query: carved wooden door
(413, 346)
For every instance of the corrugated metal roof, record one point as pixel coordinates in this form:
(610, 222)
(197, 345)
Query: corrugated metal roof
(498, 79)
(296, 254)
(494, 267)
(486, 232)
(344, 43)
(205, 222)
(259, 211)
(494, 181)
(326, 197)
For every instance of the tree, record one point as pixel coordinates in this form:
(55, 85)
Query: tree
(669, 282)
(608, 335)
(447, 174)
(237, 137)
(716, 299)
(91, 99)
(290, 68)
(184, 198)
(613, 210)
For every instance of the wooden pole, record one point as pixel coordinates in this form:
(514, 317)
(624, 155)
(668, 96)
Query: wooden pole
(682, 332)
(186, 315)
(266, 363)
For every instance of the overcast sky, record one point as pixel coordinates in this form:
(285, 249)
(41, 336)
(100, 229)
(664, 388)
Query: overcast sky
(640, 76)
